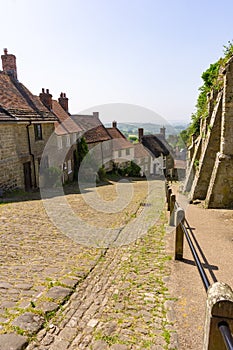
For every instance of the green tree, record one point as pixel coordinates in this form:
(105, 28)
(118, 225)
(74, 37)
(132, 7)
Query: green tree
(79, 154)
(212, 81)
(183, 139)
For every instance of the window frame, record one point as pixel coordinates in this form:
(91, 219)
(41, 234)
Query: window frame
(59, 142)
(38, 132)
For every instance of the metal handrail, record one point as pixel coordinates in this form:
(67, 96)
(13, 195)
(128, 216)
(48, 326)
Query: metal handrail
(222, 326)
(226, 334)
(198, 263)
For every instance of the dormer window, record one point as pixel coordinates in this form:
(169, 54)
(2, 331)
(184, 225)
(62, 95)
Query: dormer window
(38, 131)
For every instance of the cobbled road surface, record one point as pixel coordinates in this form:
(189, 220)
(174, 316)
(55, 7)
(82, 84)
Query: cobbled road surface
(58, 294)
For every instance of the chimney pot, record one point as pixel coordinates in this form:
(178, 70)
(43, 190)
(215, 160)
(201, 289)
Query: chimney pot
(114, 124)
(96, 114)
(63, 100)
(140, 134)
(9, 64)
(46, 98)
(162, 131)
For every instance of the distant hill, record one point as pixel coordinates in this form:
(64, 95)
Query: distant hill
(149, 128)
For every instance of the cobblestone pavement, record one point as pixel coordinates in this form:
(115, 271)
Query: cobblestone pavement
(118, 295)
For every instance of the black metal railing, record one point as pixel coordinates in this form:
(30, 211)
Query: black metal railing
(226, 334)
(198, 263)
(173, 206)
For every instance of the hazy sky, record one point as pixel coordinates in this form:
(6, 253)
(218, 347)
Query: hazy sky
(145, 52)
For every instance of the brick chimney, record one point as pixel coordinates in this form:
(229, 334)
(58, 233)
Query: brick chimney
(114, 124)
(96, 114)
(140, 134)
(9, 64)
(162, 131)
(46, 98)
(63, 100)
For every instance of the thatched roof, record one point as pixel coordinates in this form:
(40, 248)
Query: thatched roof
(157, 145)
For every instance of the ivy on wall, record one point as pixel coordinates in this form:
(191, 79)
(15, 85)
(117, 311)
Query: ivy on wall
(213, 80)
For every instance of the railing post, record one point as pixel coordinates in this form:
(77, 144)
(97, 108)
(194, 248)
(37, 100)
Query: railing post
(172, 210)
(219, 308)
(179, 219)
(166, 189)
(169, 193)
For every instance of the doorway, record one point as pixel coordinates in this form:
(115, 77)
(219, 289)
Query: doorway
(27, 176)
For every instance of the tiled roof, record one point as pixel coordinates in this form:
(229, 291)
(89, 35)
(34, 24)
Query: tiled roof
(20, 103)
(120, 143)
(5, 116)
(119, 140)
(65, 125)
(140, 151)
(115, 133)
(94, 131)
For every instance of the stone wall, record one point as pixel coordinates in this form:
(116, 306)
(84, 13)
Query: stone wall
(220, 192)
(14, 152)
(10, 166)
(210, 146)
(213, 179)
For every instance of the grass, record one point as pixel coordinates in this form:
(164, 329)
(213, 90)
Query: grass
(148, 250)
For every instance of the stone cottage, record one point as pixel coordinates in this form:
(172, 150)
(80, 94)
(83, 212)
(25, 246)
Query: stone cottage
(122, 149)
(25, 126)
(64, 145)
(97, 138)
(143, 158)
(162, 162)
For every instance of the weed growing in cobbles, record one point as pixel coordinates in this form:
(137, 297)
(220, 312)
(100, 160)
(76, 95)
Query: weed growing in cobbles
(138, 304)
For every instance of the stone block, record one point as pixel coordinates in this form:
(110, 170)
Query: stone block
(58, 293)
(12, 341)
(29, 322)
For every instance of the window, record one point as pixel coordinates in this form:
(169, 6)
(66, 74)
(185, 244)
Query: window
(119, 153)
(38, 131)
(74, 138)
(59, 142)
(127, 152)
(67, 140)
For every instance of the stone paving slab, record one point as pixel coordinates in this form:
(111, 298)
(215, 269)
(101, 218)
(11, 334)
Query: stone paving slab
(13, 342)
(213, 230)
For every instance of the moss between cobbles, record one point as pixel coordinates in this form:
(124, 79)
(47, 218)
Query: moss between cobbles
(12, 313)
(147, 253)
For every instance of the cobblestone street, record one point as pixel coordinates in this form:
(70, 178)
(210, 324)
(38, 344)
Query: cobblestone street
(119, 298)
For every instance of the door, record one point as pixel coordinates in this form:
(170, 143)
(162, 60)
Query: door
(155, 172)
(27, 176)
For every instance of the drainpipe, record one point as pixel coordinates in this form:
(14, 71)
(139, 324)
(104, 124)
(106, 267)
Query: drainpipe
(30, 152)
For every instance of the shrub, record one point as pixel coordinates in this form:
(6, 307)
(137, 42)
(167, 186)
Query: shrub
(52, 177)
(102, 173)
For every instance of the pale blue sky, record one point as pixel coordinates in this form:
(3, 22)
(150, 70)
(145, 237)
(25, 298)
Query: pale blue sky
(145, 52)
